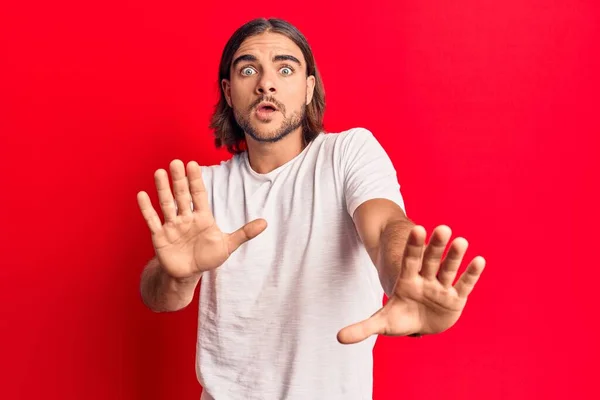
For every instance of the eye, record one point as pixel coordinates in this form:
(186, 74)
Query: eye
(287, 71)
(247, 71)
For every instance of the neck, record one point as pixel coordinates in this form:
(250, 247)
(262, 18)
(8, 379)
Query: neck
(264, 157)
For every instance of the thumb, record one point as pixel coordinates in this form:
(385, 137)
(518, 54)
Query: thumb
(362, 330)
(245, 233)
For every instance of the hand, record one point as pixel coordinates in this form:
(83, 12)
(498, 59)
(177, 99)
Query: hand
(423, 300)
(189, 242)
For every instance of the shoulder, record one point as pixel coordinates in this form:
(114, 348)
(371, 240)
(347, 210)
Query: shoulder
(354, 139)
(350, 135)
(223, 168)
(351, 142)
(345, 138)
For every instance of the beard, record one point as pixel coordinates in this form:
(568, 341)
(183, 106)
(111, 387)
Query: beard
(288, 125)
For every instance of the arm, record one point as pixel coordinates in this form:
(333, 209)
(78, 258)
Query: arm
(418, 279)
(383, 228)
(161, 292)
(189, 242)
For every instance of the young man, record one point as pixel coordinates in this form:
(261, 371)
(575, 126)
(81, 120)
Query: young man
(283, 296)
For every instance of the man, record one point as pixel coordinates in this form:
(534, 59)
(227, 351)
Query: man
(283, 296)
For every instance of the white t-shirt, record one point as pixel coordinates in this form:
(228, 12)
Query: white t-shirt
(269, 316)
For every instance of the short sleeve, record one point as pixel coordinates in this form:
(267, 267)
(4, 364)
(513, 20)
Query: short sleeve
(368, 170)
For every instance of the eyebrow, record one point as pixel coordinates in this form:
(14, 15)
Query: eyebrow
(280, 57)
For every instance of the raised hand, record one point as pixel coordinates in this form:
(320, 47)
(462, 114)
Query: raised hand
(424, 301)
(189, 242)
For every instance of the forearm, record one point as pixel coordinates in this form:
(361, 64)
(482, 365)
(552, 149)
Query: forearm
(391, 250)
(161, 292)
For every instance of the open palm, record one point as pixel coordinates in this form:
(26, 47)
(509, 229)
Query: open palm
(189, 242)
(424, 299)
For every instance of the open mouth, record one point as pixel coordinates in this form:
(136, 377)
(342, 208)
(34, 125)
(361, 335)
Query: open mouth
(264, 111)
(267, 108)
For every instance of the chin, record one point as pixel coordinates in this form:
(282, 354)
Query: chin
(267, 135)
(269, 131)
(264, 135)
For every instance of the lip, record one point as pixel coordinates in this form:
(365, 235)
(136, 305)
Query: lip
(264, 116)
(267, 104)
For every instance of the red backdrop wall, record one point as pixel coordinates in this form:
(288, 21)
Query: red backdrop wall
(488, 109)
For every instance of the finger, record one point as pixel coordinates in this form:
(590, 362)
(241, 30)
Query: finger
(149, 213)
(451, 263)
(197, 188)
(360, 331)
(432, 256)
(181, 188)
(469, 278)
(165, 197)
(411, 262)
(245, 233)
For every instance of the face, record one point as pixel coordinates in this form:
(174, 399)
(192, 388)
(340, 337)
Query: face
(269, 68)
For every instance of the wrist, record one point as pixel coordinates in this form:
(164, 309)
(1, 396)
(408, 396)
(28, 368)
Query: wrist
(188, 280)
(180, 284)
(178, 292)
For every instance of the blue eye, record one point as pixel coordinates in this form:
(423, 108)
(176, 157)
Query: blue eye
(247, 71)
(290, 70)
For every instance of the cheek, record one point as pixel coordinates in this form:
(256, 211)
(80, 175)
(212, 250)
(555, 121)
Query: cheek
(239, 93)
(296, 95)
(302, 92)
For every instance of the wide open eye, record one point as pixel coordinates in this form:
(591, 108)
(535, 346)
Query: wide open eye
(248, 71)
(286, 71)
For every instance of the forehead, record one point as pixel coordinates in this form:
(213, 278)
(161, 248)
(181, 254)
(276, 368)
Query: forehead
(268, 44)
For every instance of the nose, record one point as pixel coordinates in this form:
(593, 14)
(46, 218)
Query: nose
(266, 84)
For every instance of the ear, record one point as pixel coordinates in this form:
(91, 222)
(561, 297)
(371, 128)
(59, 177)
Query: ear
(310, 88)
(226, 86)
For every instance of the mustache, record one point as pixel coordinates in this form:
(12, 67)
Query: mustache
(269, 99)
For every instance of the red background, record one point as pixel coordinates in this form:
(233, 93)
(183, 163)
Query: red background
(488, 109)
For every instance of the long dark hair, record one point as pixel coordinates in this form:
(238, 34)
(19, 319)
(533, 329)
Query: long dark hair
(227, 132)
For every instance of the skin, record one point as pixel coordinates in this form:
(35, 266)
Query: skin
(423, 298)
(273, 142)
